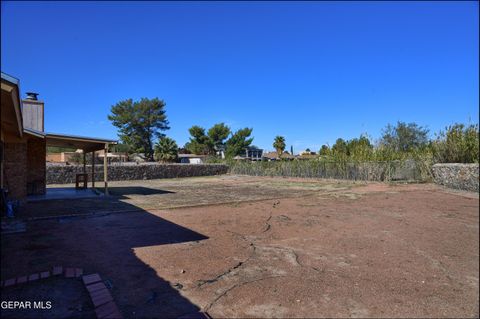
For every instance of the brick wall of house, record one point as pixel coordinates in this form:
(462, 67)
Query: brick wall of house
(36, 176)
(15, 169)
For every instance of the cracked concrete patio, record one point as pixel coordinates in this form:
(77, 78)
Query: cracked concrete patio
(268, 247)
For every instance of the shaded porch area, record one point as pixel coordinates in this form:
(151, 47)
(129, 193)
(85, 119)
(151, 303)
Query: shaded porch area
(64, 193)
(90, 146)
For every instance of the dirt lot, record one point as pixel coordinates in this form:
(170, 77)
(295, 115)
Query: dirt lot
(268, 247)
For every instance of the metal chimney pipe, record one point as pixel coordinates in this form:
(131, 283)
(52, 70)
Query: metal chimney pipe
(32, 96)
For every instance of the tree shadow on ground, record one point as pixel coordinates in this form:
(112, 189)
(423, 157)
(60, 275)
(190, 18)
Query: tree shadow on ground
(105, 245)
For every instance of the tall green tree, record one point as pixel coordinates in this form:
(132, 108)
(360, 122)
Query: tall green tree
(324, 150)
(360, 148)
(199, 142)
(238, 141)
(166, 150)
(140, 123)
(279, 144)
(340, 147)
(404, 137)
(218, 134)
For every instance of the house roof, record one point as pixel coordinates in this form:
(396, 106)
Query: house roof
(10, 79)
(33, 132)
(307, 156)
(271, 155)
(274, 155)
(191, 156)
(287, 155)
(88, 144)
(11, 111)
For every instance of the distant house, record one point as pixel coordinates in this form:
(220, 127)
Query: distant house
(287, 156)
(273, 156)
(270, 156)
(69, 157)
(62, 157)
(307, 152)
(114, 156)
(252, 153)
(307, 156)
(220, 151)
(191, 158)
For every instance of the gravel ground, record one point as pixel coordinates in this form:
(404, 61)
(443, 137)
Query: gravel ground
(309, 249)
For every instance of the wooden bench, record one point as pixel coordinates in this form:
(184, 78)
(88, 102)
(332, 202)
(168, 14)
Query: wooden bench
(81, 178)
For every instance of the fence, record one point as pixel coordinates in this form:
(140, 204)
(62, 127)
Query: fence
(408, 170)
(63, 174)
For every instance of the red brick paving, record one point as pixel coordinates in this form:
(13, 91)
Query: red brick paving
(102, 298)
(114, 315)
(90, 279)
(100, 295)
(22, 279)
(33, 277)
(10, 282)
(57, 270)
(44, 274)
(107, 309)
(95, 287)
(99, 292)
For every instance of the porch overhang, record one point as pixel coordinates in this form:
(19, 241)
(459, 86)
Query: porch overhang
(87, 144)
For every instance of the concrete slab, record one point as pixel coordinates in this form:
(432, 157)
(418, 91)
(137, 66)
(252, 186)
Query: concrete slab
(63, 193)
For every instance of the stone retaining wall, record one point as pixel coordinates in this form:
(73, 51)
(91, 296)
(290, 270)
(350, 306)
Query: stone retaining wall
(458, 176)
(65, 174)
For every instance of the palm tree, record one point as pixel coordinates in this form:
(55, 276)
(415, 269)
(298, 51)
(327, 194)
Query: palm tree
(166, 150)
(279, 144)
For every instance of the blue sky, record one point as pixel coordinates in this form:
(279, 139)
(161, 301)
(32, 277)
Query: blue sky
(310, 71)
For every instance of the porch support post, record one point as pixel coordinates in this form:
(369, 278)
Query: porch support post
(105, 176)
(84, 162)
(93, 169)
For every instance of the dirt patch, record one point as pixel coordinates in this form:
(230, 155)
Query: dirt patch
(331, 250)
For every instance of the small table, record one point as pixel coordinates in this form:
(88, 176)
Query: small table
(81, 178)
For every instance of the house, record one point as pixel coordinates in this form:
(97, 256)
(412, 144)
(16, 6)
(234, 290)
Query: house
(62, 157)
(307, 152)
(252, 153)
(287, 156)
(270, 156)
(71, 157)
(220, 151)
(191, 158)
(23, 143)
(306, 156)
(273, 156)
(118, 157)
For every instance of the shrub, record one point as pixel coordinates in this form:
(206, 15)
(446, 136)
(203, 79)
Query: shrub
(458, 144)
(166, 150)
